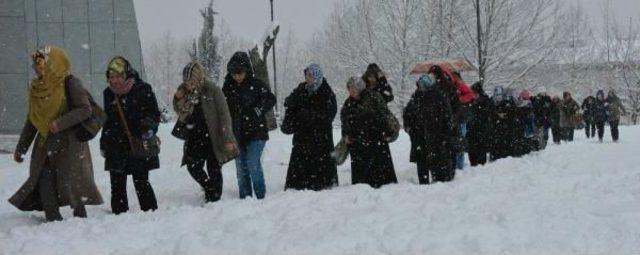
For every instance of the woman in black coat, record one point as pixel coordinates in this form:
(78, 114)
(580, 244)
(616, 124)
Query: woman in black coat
(140, 109)
(310, 110)
(479, 132)
(599, 112)
(428, 121)
(504, 125)
(365, 132)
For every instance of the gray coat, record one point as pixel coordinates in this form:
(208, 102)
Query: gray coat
(216, 114)
(568, 113)
(70, 158)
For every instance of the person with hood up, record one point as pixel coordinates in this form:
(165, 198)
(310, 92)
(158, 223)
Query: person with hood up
(365, 133)
(309, 114)
(615, 109)
(61, 170)
(132, 115)
(248, 99)
(205, 124)
(429, 123)
(599, 113)
(479, 132)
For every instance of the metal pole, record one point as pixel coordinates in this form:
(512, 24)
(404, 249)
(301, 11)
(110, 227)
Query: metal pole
(275, 73)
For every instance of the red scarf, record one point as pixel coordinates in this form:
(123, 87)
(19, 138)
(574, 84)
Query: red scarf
(124, 89)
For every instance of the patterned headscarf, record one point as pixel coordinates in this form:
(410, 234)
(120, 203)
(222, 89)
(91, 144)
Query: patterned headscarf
(317, 75)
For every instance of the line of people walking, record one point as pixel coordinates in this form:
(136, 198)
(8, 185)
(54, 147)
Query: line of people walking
(444, 119)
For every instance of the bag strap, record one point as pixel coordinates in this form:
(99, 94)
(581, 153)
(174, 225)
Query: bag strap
(124, 122)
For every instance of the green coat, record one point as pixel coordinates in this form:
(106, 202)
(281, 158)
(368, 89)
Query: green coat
(70, 158)
(216, 114)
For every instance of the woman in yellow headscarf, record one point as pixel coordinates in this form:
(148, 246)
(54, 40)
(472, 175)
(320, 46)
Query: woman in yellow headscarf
(61, 171)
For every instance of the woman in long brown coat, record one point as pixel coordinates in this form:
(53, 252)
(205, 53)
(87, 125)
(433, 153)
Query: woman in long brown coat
(61, 171)
(205, 125)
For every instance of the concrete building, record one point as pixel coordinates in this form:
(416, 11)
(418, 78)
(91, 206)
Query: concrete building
(92, 32)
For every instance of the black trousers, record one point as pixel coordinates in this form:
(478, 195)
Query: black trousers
(144, 191)
(477, 157)
(556, 132)
(600, 127)
(210, 181)
(441, 169)
(590, 128)
(614, 129)
(48, 193)
(568, 134)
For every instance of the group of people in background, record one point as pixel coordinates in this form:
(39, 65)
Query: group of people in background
(444, 119)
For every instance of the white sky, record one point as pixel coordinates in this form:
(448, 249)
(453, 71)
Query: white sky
(250, 18)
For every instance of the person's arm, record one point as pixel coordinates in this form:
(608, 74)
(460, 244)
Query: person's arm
(385, 89)
(78, 103)
(151, 115)
(267, 99)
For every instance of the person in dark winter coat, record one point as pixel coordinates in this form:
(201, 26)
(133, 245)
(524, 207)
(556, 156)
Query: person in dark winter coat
(248, 99)
(599, 112)
(525, 135)
(615, 109)
(141, 113)
(479, 132)
(205, 121)
(428, 121)
(364, 130)
(542, 108)
(61, 169)
(309, 114)
(554, 118)
(588, 113)
(503, 125)
(377, 80)
(568, 113)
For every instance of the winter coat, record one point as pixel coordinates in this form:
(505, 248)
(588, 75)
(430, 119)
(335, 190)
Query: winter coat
(478, 126)
(429, 123)
(309, 117)
(614, 108)
(504, 129)
(542, 108)
(384, 89)
(63, 152)
(364, 123)
(140, 109)
(524, 131)
(568, 110)
(599, 111)
(248, 103)
(218, 122)
(588, 109)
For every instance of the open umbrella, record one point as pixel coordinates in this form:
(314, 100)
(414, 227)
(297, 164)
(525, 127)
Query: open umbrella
(456, 64)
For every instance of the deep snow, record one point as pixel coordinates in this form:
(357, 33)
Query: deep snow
(578, 198)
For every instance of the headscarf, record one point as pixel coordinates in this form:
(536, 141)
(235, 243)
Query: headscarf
(424, 82)
(357, 83)
(498, 93)
(47, 93)
(193, 70)
(318, 77)
(120, 66)
(600, 95)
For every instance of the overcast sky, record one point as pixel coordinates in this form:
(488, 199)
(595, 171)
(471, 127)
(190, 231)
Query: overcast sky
(250, 18)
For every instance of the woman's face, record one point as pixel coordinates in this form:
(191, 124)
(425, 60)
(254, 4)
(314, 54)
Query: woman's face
(116, 80)
(353, 92)
(308, 78)
(39, 66)
(239, 77)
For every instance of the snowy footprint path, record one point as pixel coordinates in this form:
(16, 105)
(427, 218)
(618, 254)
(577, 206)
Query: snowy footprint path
(579, 198)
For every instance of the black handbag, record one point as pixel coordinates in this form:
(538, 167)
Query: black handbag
(140, 148)
(180, 130)
(89, 128)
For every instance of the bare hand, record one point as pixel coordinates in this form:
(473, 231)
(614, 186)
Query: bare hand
(179, 94)
(53, 128)
(17, 157)
(230, 147)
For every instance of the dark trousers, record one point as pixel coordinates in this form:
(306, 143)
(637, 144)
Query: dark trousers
(49, 196)
(210, 181)
(590, 129)
(556, 132)
(600, 127)
(146, 196)
(441, 169)
(614, 129)
(568, 134)
(477, 158)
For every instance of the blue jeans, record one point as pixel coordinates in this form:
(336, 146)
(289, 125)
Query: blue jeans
(460, 155)
(249, 170)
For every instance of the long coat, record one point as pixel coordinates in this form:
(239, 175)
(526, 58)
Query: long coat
(614, 108)
(479, 131)
(70, 158)
(504, 129)
(216, 115)
(141, 112)
(309, 117)
(363, 121)
(568, 110)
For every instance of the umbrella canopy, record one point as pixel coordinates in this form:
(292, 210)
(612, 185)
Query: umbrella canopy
(456, 64)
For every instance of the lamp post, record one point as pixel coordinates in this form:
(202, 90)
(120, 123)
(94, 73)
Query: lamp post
(275, 73)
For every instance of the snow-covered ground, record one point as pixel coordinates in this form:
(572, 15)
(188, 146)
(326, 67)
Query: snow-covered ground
(579, 198)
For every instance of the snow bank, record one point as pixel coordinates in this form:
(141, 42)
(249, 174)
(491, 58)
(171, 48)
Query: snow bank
(579, 198)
